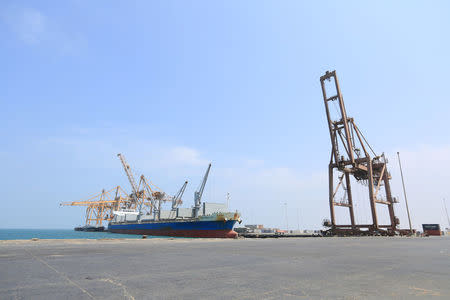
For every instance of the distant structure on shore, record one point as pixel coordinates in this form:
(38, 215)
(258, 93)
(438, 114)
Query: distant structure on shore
(257, 229)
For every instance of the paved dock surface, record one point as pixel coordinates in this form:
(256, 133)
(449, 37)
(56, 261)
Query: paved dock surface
(298, 268)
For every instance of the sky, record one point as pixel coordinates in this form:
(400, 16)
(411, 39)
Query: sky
(174, 85)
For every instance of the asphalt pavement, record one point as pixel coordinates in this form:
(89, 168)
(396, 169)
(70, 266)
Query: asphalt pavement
(291, 268)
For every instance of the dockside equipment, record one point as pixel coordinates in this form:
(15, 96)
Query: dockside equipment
(351, 156)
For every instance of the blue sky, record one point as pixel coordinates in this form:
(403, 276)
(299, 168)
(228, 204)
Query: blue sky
(176, 84)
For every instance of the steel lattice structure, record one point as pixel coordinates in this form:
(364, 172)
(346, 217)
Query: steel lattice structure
(146, 198)
(350, 156)
(100, 207)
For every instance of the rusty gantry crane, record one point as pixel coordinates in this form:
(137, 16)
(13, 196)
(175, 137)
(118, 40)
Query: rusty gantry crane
(350, 157)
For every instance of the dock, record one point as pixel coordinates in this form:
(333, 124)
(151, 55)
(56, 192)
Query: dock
(253, 235)
(289, 268)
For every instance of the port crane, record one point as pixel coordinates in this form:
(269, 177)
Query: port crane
(146, 196)
(176, 200)
(100, 207)
(153, 195)
(135, 195)
(199, 192)
(351, 156)
(143, 194)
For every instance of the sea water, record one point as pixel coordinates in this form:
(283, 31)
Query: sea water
(26, 234)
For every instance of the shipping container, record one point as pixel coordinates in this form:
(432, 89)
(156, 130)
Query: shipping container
(432, 229)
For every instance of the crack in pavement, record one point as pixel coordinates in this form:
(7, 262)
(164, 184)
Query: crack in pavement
(59, 273)
(124, 288)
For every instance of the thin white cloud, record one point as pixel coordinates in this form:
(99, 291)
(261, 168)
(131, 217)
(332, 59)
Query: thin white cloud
(185, 156)
(254, 163)
(31, 26)
(257, 190)
(34, 28)
(27, 24)
(144, 156)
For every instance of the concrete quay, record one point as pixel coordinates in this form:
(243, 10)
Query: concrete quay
(294, 268)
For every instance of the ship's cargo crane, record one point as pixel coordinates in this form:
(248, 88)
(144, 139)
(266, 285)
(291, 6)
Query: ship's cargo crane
(350, 157)
(100, 207)
(177, 200)
(198, 194)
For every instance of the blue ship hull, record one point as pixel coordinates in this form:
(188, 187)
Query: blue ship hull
(181, 228)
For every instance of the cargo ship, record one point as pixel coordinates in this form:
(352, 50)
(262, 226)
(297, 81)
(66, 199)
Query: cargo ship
(207, 220)
(215, 225)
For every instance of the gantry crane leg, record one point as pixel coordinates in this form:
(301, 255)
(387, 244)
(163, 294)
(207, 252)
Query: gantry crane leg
(350, 201)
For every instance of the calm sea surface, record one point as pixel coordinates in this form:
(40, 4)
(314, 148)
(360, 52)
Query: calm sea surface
(26, 234)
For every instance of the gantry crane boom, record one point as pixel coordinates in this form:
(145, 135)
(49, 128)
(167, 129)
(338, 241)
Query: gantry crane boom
(100, 207)
(99, 198)
(127, 169)
(198, 194)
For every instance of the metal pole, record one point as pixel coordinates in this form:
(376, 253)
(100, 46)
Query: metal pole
(287, 224)
(445, 206)
(404, 192)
